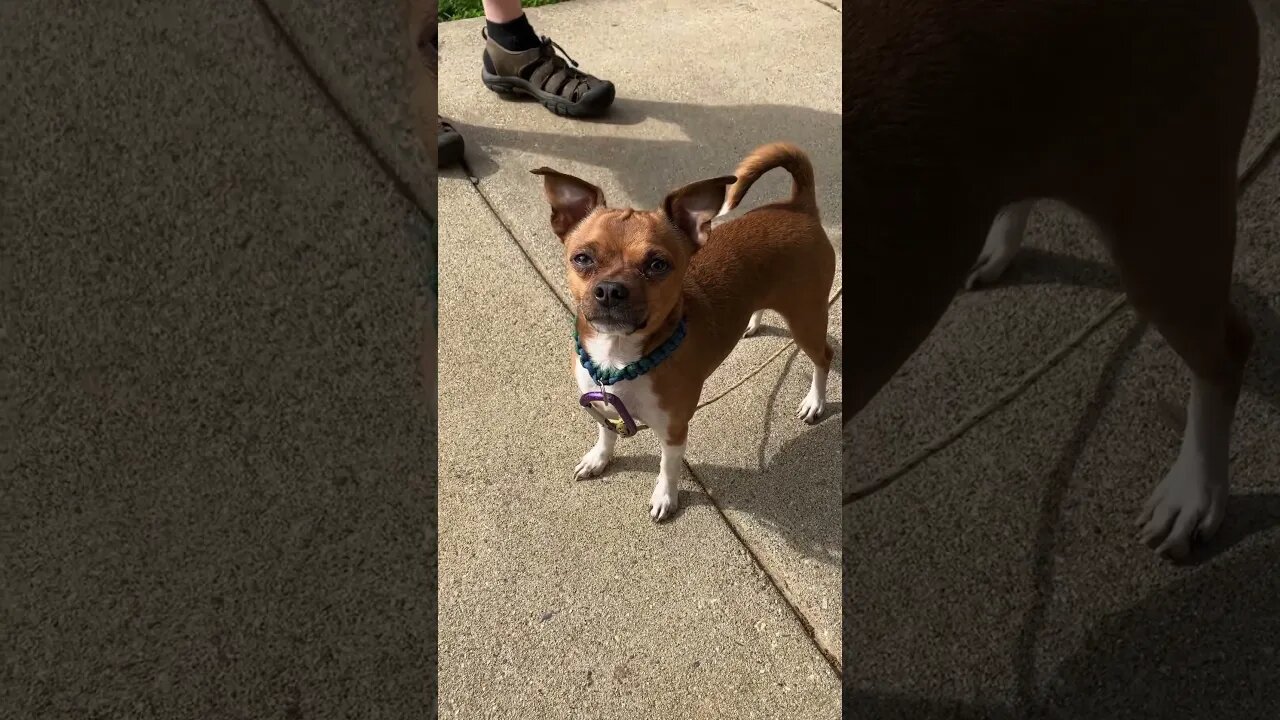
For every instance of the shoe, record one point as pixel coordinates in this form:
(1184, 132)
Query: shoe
(547, 77)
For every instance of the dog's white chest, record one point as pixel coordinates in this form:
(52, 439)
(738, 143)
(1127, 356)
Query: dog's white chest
(637, 395)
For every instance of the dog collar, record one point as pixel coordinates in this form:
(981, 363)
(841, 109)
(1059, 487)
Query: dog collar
(608, 376)
(624, 425)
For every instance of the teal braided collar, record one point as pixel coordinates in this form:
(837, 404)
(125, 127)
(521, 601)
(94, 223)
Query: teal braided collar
(609, 376)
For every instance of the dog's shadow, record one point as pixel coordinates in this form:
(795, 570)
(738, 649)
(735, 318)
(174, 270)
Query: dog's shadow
(1203, 648)
(706, 148)
(793, 492)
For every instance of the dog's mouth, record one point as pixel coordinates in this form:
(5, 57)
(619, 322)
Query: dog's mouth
(617, 323)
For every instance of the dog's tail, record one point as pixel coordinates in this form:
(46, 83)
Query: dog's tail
(766, 158)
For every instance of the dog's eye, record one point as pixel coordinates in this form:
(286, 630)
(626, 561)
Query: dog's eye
(658, 265)
(582, 260)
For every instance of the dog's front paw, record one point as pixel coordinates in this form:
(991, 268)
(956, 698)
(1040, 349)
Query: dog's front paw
(1187, 505)
(664, 501)
(811, 407)
(592, 464)
(753, 325)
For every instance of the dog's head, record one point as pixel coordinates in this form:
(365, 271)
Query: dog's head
(626, 267)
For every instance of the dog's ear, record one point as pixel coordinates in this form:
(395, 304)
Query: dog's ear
(571, 199)
(693, 206)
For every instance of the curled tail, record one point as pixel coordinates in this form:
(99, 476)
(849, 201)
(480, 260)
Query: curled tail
(767, 157)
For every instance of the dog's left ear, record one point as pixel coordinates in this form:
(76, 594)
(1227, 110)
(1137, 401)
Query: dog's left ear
(693, 206)
(571, 199)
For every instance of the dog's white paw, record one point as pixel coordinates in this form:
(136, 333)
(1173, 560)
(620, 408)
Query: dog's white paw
(664, 501)
(753, 325)
(811, 407)
(592, 464)
(1187, 505)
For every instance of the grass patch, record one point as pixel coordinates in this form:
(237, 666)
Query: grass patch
(459, 9)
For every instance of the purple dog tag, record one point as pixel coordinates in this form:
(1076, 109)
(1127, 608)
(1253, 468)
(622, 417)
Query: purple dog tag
(626, 427)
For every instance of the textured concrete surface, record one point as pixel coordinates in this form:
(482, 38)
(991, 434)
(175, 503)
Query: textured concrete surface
(679, 117)
(217, 457)
(360, 50)
(559, 598)
(1002, 577)
(1266, 105)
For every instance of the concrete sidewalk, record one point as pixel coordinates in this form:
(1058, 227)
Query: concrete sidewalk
(1001, 578)
(217, 452)
(561, 598)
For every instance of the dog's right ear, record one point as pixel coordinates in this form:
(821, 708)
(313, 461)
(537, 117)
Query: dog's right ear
(571, 199)
(695, 205)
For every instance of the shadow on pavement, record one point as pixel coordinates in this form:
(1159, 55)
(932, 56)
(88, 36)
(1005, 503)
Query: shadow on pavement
(702, 154)
(859, 705)
(784, 493)
(1204, 648)
(1262, 377)
(1190, 651)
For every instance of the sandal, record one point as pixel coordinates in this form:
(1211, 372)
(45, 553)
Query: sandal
(545, 76)
(449, 144)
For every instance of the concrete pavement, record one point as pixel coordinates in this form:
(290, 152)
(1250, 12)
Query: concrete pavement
(561, 598)
(217, 456)
(1001, 578)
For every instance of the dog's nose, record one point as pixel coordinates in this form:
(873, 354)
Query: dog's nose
(609, 294)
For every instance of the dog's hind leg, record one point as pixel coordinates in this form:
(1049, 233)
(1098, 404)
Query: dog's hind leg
(1003, 241)
(806, 315)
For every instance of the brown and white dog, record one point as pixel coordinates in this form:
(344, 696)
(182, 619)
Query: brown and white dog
(634, 274)
(1131, 111)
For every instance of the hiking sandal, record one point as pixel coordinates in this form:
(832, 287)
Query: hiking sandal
(449, 144)
(544, 75)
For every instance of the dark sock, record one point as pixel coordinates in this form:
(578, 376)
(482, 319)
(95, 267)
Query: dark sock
(516, 36)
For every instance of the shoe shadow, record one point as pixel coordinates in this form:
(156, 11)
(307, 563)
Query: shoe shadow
(624, 111)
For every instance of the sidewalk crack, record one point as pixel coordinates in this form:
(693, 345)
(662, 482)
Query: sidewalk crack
(778, 583)
(493, 210)
(362, 136)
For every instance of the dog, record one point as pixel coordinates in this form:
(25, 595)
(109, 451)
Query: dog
(664, 293)
(1132, 112)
